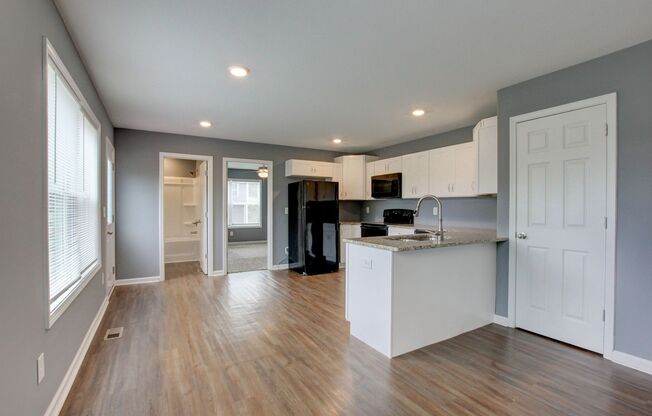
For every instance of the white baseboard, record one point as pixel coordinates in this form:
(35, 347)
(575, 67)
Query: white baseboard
(217, 273)
(137, 281)
(244, 243)
(501, 320)
(66, 384)
(280, 266)
(632, 361)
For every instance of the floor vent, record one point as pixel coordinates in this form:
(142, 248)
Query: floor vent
(113, 333)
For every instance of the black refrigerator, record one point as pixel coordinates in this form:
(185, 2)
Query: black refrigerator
(313, 238)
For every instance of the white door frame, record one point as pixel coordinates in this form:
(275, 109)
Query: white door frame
(610, 100)
(270, 209)
(161, 251)
(109, 154)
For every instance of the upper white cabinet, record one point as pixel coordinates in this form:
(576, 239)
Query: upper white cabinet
(391, 165)
(452, 171)
(371, 169)
(415, 175)
(485, 137)
(308, 168)
(353, 181)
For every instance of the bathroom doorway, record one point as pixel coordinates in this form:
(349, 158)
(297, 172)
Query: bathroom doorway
(186, 214)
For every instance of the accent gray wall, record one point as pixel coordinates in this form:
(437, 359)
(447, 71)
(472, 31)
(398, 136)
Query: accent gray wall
(629, 73)
(23, 250)
(137, 164)
(250, 234)
(460, 212)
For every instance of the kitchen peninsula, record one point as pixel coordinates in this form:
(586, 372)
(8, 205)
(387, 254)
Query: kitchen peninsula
(408, 291)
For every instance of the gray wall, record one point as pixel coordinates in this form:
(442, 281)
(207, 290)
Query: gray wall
(23, 252)
(250, 234)
(466, 212)
(629, 73)
(137, 158)
(179, 167)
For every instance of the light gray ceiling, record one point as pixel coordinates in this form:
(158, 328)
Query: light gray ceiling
(332, 68)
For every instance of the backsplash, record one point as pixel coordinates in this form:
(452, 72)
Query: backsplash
(458, 212)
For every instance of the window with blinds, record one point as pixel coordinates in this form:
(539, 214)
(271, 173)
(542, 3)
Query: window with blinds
(73, 190)
(244, 203)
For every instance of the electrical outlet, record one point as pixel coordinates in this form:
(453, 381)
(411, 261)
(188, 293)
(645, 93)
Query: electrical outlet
(366, 209)
(434, 210)
(367, 264)
(287, 250)
(287, 211)
(230, 233)
(40, 368)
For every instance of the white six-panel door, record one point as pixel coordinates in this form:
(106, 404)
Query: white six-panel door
(560, 224)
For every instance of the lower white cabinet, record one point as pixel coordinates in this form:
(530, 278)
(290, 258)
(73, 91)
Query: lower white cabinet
(347, 231)
(399, 231)
(415, 175)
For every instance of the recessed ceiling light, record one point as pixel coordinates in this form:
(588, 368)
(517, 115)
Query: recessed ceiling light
(205, 123)
(239, 71)
(337, 141)
(418, 112)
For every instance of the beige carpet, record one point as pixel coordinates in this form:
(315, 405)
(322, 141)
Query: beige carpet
(246, 257)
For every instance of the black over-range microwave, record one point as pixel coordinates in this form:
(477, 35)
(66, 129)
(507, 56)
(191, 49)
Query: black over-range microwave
(386, 186)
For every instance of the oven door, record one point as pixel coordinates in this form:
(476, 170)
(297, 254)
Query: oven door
(386, 186)
(373, 230)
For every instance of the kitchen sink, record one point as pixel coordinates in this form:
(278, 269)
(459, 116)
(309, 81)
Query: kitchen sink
(416, 238)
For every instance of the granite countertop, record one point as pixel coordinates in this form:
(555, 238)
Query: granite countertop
(452, 237)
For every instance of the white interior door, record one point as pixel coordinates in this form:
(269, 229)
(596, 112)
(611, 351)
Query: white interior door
(110, 217)
(203, 210)
(560, 225)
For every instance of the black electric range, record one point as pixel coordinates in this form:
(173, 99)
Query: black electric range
(390, 216)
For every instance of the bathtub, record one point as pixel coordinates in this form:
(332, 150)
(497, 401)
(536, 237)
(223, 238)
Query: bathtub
(179, 249)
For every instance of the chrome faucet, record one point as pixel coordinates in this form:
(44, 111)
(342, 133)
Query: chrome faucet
(440, 221)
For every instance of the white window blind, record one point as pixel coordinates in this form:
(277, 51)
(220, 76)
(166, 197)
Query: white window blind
(73, 190)
(244, 203)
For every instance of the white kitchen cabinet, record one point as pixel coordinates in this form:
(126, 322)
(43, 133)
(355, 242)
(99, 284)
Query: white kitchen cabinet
(371, 169)
(353, 183)
(399, 230)
(485, 137)
(337, 177)
(415, 175)
(452, 171)
(308, 168)
(347, 231)
(391, 165)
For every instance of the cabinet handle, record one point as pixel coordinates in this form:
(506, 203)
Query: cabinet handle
(453, 187)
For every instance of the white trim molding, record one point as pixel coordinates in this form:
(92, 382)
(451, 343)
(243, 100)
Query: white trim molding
(66, 384)
(632, 361)
(284, 266)
(138, 281)
(502, 321)
(161, 219)
(270, 207)
(610, 102)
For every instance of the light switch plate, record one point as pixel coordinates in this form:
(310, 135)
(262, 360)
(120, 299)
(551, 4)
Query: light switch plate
(230, 233)
(366, 209)
(40, 368)
(286, 211)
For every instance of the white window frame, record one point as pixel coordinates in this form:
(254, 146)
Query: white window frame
(260, 204)
(50, 54)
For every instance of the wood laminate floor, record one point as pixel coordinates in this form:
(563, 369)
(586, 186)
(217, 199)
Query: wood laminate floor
(277, 343)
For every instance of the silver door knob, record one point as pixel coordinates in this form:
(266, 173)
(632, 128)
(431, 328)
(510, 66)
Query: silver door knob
(522, 236)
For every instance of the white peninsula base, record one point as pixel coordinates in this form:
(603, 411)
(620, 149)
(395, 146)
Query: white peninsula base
(399, 301)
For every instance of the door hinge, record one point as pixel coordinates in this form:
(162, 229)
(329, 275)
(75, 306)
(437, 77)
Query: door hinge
(606, 129)
(606, 222)
(604, 314)
(112, 269)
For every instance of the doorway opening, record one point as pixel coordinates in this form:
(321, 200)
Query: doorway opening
(247, 215)
(186, 214)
